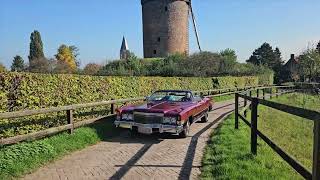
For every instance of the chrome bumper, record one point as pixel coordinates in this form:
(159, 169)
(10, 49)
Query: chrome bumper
(149, 128)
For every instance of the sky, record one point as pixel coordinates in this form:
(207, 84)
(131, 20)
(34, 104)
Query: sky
(96, 27)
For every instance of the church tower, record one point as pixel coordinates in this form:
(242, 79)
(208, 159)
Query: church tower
(124, 50)
(165, 27)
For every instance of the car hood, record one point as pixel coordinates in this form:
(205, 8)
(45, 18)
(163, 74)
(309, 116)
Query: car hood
(162, 107)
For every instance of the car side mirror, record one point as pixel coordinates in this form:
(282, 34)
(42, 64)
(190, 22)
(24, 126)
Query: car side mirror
(147, 98)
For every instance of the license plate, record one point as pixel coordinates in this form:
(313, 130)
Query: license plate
(144, 130)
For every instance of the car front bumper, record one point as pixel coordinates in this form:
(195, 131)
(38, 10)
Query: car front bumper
(149, 128)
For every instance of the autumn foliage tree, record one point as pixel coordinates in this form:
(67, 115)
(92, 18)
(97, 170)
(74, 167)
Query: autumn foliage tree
(66, 59)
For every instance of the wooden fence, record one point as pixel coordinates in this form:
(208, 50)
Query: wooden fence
(71, 125)
(253, 102)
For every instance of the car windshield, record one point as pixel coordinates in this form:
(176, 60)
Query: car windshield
(172, 96)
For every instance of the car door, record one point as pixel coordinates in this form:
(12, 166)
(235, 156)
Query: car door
(201, 105)
(198, 105)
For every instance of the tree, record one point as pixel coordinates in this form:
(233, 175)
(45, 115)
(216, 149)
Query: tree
(75, 51)
(228, 62)
(66, 58)
(62, 67)
(264, 55)
(131, 56)
(91, 69)
(276, 64)
(40, 65)
(17, 64)
(318, 47)
(36, 47)
(268, 57)
(2, 68)
(202, 64)
(229, 54)
(310, 63)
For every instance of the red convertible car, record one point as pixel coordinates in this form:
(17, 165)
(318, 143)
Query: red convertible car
(166, 111)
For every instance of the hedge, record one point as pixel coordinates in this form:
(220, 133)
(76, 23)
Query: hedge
(20, 91)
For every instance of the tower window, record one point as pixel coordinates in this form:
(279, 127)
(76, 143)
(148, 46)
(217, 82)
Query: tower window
(166, 8)
(159, 39)
(154, 51)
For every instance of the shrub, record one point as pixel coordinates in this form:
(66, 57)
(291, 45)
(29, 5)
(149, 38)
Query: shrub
(91, 69)
(20, 91)
(205, 64)
(2, 68)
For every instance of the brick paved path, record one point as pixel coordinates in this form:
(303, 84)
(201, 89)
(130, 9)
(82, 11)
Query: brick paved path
(141, 157)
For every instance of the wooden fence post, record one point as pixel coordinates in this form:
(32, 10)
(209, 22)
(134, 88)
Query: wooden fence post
(250, 94)
(277, 91)
(245, 104)
(254, 125)
(112, 108)
(270, 93)
(316, 151)
(257, 93)
(70, 120)
(236, 125)
(264, 93)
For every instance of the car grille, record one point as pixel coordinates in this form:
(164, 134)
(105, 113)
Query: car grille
(148, 118)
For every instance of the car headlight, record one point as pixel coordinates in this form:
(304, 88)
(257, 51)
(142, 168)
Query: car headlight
(170, 120)
(126, 116)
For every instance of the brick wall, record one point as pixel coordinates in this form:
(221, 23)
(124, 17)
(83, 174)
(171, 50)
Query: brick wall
(165, 27)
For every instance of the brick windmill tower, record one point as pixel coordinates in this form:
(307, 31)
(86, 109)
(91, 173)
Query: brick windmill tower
(166, 27)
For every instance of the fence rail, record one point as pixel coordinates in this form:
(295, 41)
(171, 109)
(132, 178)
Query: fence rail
(304, 113)
(71, 125)
(69, 114)
(230, 91)
(17, 114)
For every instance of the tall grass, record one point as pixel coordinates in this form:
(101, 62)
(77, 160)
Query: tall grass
(293, 134)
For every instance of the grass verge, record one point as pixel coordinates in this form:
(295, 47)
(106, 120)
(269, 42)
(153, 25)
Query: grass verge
(25, 157)
(223, 98)
(227, 156)
(293, 134)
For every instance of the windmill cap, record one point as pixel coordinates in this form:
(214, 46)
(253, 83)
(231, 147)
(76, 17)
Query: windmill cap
(145, 1)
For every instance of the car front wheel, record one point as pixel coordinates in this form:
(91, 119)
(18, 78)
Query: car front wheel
(205, 117)
(186, 129)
